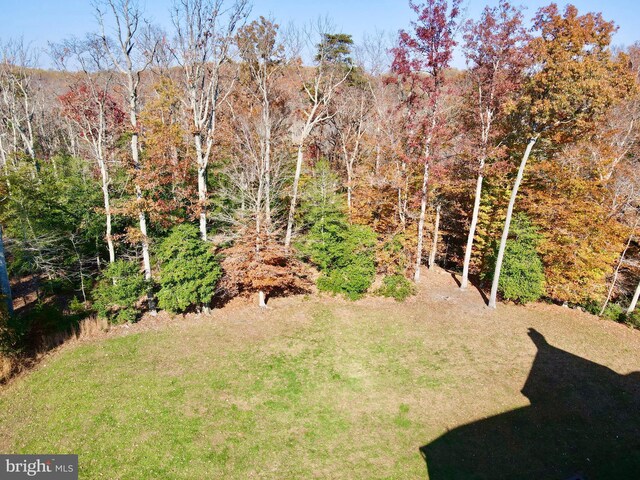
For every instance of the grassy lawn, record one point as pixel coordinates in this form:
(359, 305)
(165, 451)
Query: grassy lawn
(308, 389)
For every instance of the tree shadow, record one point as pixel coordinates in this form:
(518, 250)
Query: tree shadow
(583, 423)
(472, 281)
(482, 294)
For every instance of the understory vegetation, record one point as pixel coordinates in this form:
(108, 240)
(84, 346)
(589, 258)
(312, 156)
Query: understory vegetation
(522, 277)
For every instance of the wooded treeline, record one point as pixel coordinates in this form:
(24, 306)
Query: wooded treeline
(227, 156)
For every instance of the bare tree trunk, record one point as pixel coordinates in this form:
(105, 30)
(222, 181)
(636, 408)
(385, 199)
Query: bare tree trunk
(107, 208)
(434, 245)
(267, 180)
(402, 196)
(135, 157)
(634, 300)
(507, 222)
(127, 17)
(28, 137)
(80, 269)
(377, 165)
(204, 34)
(423, 210)
(349, 188)
(258, 209)
(400, 212)
(261, 299)
(472, 229)
(5, 165)
(202, 186)
(141, 215)
(146, 261)
(294, 196)
(617, 270)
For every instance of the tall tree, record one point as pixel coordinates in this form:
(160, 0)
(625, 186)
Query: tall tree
(130, 57)
(634, 300)
(421, 59)
(94, 112)
(5, 286)
(204, 36)
(264, 59)
(351, 124)
(166, 171)
(495, 55)
(18, 106)
(574, 79)
(319, 87)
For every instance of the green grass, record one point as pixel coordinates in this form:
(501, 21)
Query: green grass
(303, 391)
(143, 406)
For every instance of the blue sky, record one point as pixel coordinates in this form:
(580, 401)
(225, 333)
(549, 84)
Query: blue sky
(40, 21)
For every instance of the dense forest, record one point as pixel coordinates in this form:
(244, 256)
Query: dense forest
(231, 156)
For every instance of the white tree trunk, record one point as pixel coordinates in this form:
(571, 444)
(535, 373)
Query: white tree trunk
(423, 210)
(634, 300)
(349, 179)
(266, 119)
(472, 229)
(294, 196)
(617, 271)
(261, 299)
(434, 245)
(107, 209)
(267, 179)
(146, 262)
(507, 222)
(403, 195)
(378, 149)
(202, 186)
(258, 208)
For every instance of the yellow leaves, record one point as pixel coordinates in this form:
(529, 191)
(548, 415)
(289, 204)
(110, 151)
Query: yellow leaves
(576, 77)
(580, 239)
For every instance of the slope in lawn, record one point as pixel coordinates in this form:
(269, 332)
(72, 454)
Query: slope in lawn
(328, 389)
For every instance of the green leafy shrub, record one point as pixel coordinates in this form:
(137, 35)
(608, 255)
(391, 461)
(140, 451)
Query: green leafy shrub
(592, 306)
(13, 332)
(392, 257)
(351, 281)
(398, 287)
(76, 306)
(615, 312)
(633, 319)
(117, 293)
(344, 253)
(189, 271)
(522, 276)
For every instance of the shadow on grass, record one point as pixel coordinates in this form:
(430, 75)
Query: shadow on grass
(583, 423)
